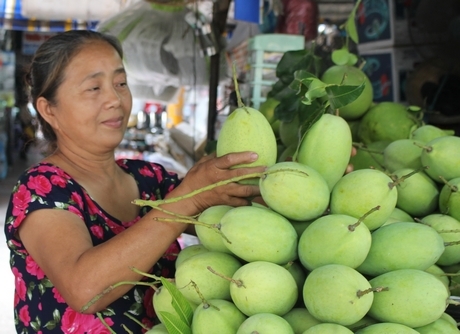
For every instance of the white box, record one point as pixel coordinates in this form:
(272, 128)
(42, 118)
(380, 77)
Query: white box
(388, 70)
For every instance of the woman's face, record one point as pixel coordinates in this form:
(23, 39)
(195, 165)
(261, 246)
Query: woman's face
(93, 103)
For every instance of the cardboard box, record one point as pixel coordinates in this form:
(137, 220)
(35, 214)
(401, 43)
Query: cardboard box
(388, 70)
(385, 23)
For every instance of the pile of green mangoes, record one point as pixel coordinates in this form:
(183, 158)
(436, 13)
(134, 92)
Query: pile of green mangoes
(374, 250)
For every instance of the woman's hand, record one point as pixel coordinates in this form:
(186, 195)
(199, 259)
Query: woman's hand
(210, 170)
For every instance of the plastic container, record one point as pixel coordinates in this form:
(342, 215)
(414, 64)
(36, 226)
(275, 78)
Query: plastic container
(265, 51)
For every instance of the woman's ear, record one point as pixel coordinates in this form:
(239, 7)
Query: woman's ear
(45, 110)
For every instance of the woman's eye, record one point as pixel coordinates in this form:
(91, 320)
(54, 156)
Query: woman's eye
(94, 88)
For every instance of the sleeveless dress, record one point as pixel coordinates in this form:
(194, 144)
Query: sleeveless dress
(38, 306)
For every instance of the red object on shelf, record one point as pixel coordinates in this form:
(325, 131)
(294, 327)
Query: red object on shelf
(300, 17)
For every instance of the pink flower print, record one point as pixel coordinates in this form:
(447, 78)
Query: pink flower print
(147, 323)
(24, 315)
(40, 184)
(40, 306)
(19, 218)
(145, 171)
(57, 295)
(20, 285)
(21, 200)
(74, 322)
(16, 299)
(172, 252)
(158, 173)
(92, 208)
(113, 226)
(33, 268)
(97, 327)
(77, 199)
(73, 209)
(97, 231)
(58, 180)
(148, 302)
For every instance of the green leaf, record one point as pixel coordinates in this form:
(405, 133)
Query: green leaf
(292, 61)
(350, 25)
(316, 89)
(341, 95)
(352, 59)
(50, 325)
(308, 115)
(340, 56)
(286, 110)
(179, 302)
(174, 325)
(414, 109)
(56, 315)
(279, 90)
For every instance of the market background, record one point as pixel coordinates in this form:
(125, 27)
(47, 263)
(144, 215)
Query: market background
(181, 76)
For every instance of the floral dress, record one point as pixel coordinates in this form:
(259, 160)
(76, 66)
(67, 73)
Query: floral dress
(38, 305)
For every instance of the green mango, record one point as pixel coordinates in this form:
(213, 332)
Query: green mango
(300, 319)
(287, 153)
(210, 285)
(387, 328)
(399, 245)
(369, 156)
(358, 192)
(326, 147)
(162, 302)
(439, 326)
(427, 132)
(289, 132)
(402, 153)
(398, 215)
(387, 121)
(449, 199)
(351, 75)
(442, 156)
(266, 323)
(247, 129)
(334, 239)
(328, 329)
(364, 322)
(418, 194)
(449, 230)
(263, 287)
(188, 252)
(338, 294)
(413, 298)
(211, 237)
(294, 190)
(437, 272)
(259, 234)
(158, 329)
(217, 316)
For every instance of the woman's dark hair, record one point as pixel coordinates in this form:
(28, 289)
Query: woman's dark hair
(46, 70)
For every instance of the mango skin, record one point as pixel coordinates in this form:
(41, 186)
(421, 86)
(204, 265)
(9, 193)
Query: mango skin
(259, 234)
(247, 129)
(449, 200)
(387, 328)
(402, 153)
(442, 158)
(414, 298)
(397, 246)
(362, 190)
(418, 195)
(210, 237)
(326, 147)
(294, 190)
(267, 288)
(328, 329)
(219, 316)
(330, 294)
(266, 323)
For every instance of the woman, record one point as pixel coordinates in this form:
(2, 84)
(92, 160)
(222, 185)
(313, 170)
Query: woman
(71, 225)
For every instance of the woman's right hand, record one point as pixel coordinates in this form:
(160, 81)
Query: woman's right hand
(210, 170)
